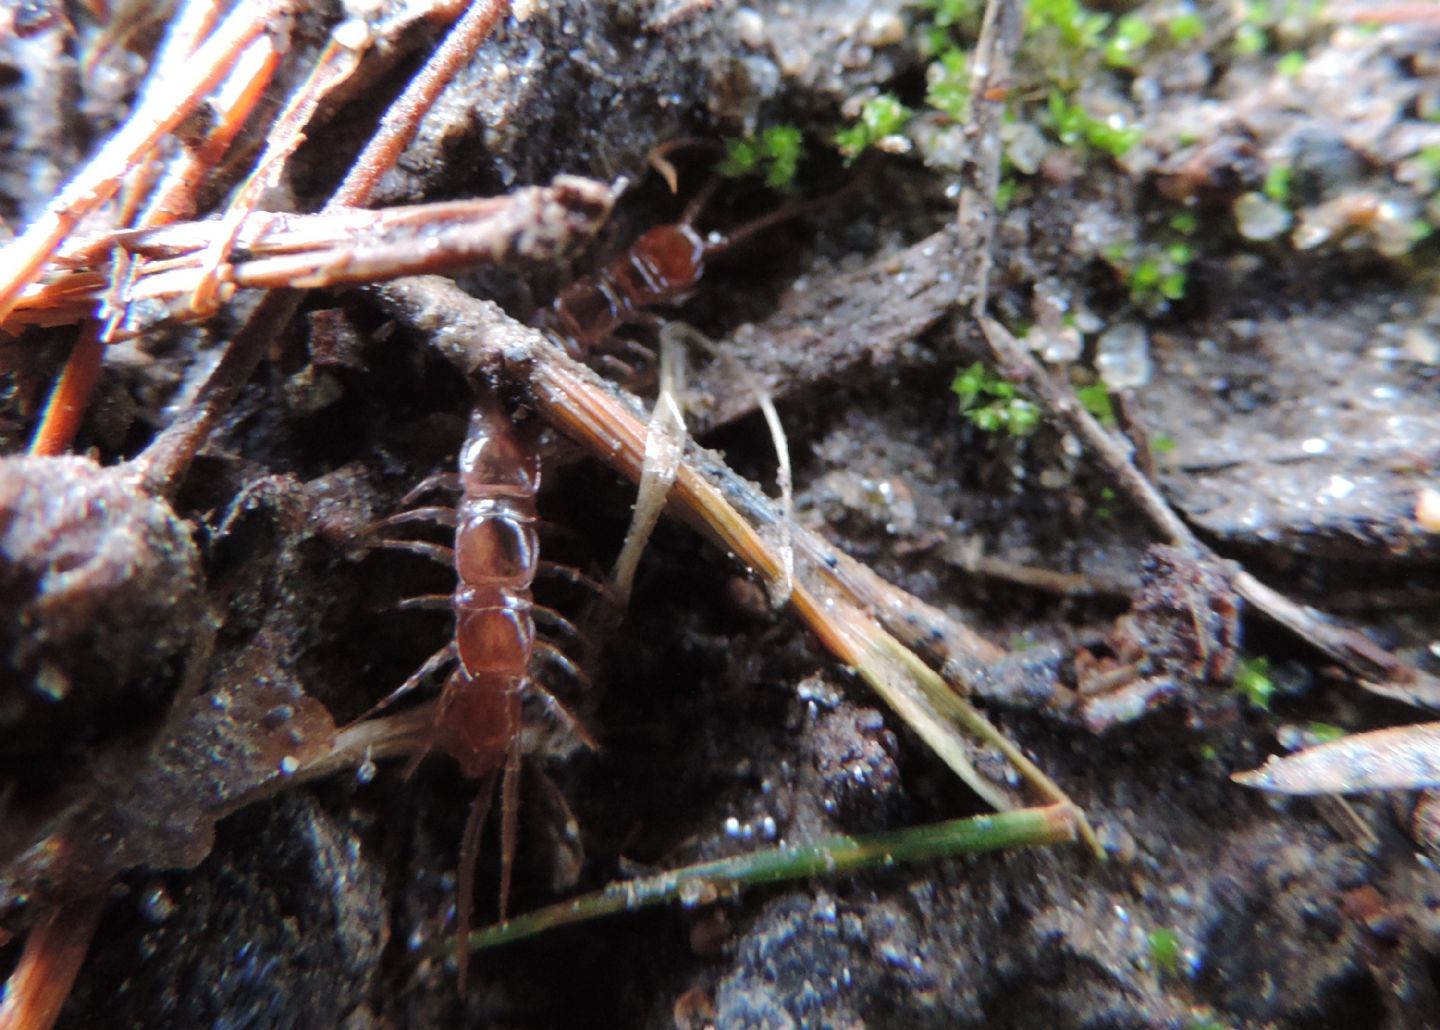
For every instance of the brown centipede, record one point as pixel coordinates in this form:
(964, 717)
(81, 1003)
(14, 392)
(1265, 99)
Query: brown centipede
(479, 717)
(662, 266)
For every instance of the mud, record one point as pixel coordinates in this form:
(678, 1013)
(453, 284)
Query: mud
(1292, 388)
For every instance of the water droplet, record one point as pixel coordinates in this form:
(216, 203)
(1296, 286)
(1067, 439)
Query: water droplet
(157, 906)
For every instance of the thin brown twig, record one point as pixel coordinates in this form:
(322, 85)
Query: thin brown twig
(22, 260)
(333, 248)
(165, 460)
(70, 398)
(1375, 668)
(402, 120)
(990, 69)
(337, 62)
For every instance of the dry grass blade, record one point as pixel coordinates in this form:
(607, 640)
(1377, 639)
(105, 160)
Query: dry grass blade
(54, 952)
(1403, 758)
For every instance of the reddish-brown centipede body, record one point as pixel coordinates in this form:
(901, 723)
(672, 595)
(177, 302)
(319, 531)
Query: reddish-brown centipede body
(480, 714)
(663, 266)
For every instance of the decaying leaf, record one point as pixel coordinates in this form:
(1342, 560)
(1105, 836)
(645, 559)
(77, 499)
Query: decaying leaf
(1402, 758)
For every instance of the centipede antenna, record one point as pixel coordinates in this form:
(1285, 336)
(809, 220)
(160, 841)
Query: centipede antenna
(615, 367)
(431, 513)
(799, 209)
(437, 552)
(509, 820)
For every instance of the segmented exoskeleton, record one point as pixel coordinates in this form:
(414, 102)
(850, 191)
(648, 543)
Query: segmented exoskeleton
(479, 717)
(663, 266)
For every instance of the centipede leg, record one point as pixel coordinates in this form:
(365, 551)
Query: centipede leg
(438, 552)
(509, 820)
(425, 603)
(555, 624)
(465, 874)
(433, 513)
(563, 715)
(432, 665)
(448, 481)
(560, 660)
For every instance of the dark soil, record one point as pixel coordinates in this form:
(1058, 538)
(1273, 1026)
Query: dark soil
(1292, 388)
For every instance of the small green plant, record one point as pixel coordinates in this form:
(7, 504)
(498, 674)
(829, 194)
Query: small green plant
(1252, 678)
(1079, 29)
(1277, 183)
(947, 84)
(1187, 27)
(1155, 275)
(1163, 444)
(776, 153)
(946, 15)
(1185, 223)
(991, 403)
(1095, 399)
(1123, 48)
(1164, 949)
(1162, 276)
(1291, 64)
(1250, 39)
(1324, 733)
(1072, 124)
(1429, 158)
(881, 116)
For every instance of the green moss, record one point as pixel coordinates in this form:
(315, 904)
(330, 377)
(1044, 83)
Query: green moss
(947, 85)
(1324, 733)
(1078, 28)
(991, 402)
(776, 153)
(1156, 275)
(1250, 39)
(1291, 64)
(1164, 950)
(1252, 678)
(1185, 223)
(881, 116)
(1095, 399)
(1277, 183)
(1072, 124)
(1128, 41)
(960, 14)
(1187, 27)
(1162, 444)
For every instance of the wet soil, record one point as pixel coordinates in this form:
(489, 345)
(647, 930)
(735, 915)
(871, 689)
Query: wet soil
(1289, 394)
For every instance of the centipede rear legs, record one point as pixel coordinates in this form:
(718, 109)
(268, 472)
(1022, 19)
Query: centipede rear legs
(480, 716)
